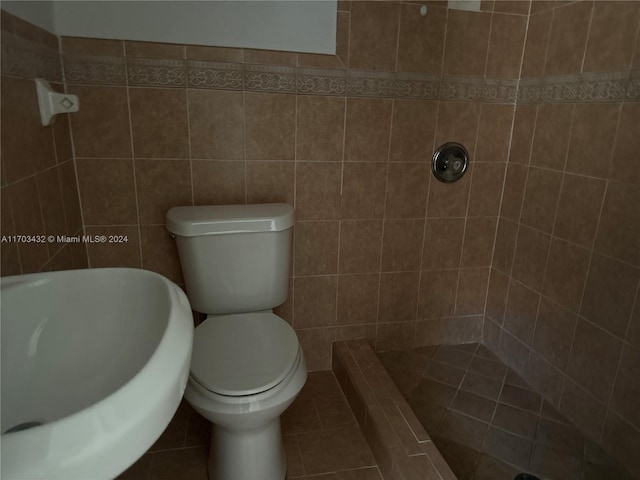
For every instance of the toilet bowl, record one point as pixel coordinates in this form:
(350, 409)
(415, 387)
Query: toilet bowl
(246, 370)
(247, 366)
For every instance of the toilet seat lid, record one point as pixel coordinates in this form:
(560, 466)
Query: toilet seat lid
(243, 354)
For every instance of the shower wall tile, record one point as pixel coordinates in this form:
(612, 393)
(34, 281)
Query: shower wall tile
(363, 190)
(367, 129)
(535, 51)
(316, 248)
(216, 124)
(318, 190)
(107, 191)
(592, 138)
(494, 133)
(540, 199)
(381, 250)
(627, 142)
(437, 297)
(101, 128)
(402, 244)
(159, 123)
(554, 331)
(551, 137)
(398, 297)
(407, 187)
(505, 244)
(421, 39)
(618, 232)
(379, 51)
(413, 129)
(478, 242)
(594, 359)
(467, 43)
(611, 36)
(320, 128)
(579, 209)
(568, 38)
(218, 182)
(360, 246)
(609, 294)
(506, 45)
(160, 185)
(270, 182)
(521, 135)
(270, 126)
(530, 257)
(357, 301)
(125, 254)
(485, 192)
(566, 274)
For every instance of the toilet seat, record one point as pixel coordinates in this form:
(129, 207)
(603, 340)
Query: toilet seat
(243, 354)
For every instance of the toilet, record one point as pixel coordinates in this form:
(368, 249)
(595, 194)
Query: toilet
(247, 366)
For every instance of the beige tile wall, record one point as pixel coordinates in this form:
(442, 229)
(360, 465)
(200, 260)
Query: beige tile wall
(38, 182)
(562, 306)
(381, 249)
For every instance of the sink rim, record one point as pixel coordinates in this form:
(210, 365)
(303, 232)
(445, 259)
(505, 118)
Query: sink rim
(124, 424)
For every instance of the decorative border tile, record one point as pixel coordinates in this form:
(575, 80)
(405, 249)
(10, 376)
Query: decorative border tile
(156, 72)
(216, 75)
(267, 78)
(588, 87)
(469, 89)
(28, 59)
(94, 70)
(25, 58)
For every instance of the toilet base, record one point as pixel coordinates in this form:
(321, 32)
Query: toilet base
(255, 454)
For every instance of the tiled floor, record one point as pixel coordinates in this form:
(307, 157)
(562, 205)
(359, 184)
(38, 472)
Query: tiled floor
(487, 422)
(321, 438)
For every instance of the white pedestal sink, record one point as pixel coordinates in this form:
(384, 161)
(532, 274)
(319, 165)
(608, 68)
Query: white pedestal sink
(94, 365)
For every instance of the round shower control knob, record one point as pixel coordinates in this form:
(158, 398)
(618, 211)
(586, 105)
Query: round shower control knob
(450, 162)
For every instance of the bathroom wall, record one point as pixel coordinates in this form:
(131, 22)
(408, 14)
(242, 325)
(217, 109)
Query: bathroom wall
(381, 249)
(37, 178)
(563, 305)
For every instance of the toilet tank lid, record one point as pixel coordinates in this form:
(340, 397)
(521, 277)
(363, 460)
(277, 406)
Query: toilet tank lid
(221, 219)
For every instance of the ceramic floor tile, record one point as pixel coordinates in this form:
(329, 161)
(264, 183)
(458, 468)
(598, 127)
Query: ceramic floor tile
(294, 460)
(182, 464)
(474, 406)
(507, 447)
(488, 368)
(301, 416)
(493, 411)
(434, 392)
(333, 450)
(563, 438)
(521, 398)
(462, 429)
(490, 468)
(334, 412)
(461, 458)
(454, 356)
(483, 386)
(444, 373)
(553, 464)
(370, 473)
(514, 420)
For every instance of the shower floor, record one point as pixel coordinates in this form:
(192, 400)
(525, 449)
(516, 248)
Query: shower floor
(487, 423)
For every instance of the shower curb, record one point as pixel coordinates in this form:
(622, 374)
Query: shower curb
(400, 445)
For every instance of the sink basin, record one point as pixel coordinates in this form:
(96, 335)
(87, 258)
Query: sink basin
(94, 365)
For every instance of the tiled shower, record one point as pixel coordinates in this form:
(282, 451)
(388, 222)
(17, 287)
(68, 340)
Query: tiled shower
(535, 252)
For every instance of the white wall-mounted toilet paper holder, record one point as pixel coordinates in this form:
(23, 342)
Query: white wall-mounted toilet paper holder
(51, 102)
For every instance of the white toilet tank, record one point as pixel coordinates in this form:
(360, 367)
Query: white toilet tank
(235, 258)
